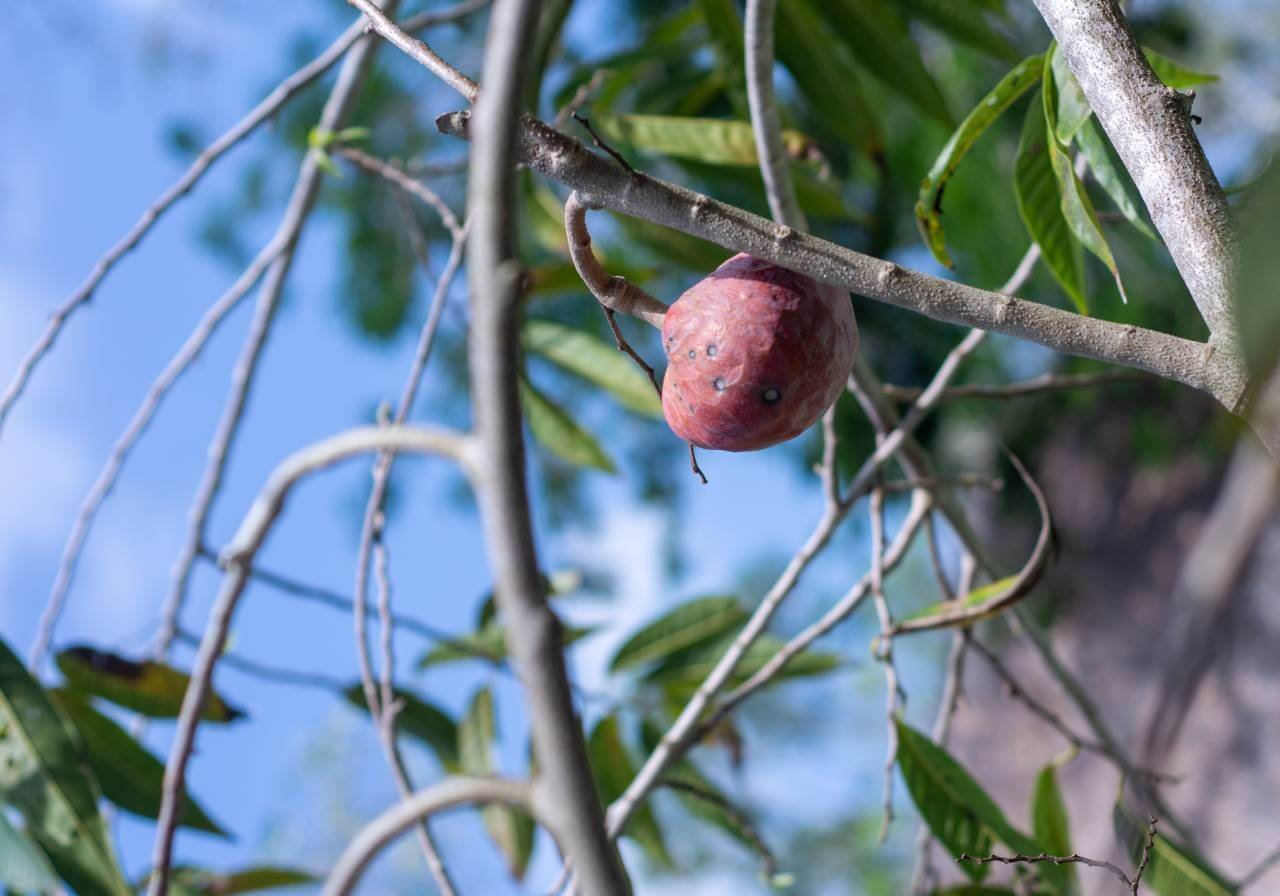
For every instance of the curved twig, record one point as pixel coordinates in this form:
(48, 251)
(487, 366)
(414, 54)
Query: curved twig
(614, 293)
(238, 560)
(448, 794)
(965, 615)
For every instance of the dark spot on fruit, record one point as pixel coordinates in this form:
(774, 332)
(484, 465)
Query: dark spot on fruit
(711, 351)
(693, 353)
(718, 383)
(771, 395)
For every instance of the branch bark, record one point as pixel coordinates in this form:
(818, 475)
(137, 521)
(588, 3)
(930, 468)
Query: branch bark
(534, 634)
(1150, 126)
(605, 184)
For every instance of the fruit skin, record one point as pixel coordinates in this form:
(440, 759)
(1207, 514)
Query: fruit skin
(756, 353)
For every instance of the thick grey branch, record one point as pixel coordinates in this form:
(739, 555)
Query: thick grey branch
(534, 634)
(602, 183)
(1150, 126)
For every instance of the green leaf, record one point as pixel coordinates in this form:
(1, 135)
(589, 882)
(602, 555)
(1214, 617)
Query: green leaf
(43, 776)
(614, 767)
(712, 141)
(591, 358)
(695, 622)
(725, 25)
(956, 808)
(489, 644)
(130, 776)
(826, 74)
(974, 598)
(962, 22)
(1073, 109)
(1174, 75)
(1049, 822)
(559, 583)
(1116, 185)
(683, 671)
(1076, 206)
(149, 688)
(247, 880)
(1040, 206)
(420, 719)
(512, 831)
(881, 44)
(556, 431)
(1174, 870)
(23, 868)
(929, 205)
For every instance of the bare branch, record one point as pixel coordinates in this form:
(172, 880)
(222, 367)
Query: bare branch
(884, 653)
(305, 189)
(599, 182)
(1046, 382)
(134, 431)
(449, 793)
(280, 95)
(381, 23)
(766, 120)
(534, 635)
(614, 293)
(398, 178)
(263, 672)
(238, 559)
(1150, 126)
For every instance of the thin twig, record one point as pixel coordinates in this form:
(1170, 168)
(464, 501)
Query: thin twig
(580, 97)
(1077, 859)
(417, 50)
(273, 674)
(884, 653)
(766, 118)
(736, 817)
(306, 188)
(1047, 382)
(449, 793)
(601, 144)
(1265, 864)
(136, 428)
(270, 105)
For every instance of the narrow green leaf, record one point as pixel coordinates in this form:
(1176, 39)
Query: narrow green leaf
(958, 811)
(1174, 870)
(712, 141)
(681, 672)
(1040, 205)
(23, 868)
(929, 205)
(1116, 185)
(559, 583)
(1174, 75)
(964, 23)
(974, 598)
(512, 831)
(556, 431)
(420, 719)
(826, 74)
(130, 776)
(591, 358)
(1073, 109)
(881, 44)
(43, 776)
(1076, 206)
(696, 622)
(149, 688)
(1049, 823)
(247, 880)
(614, 767)
(488, 644)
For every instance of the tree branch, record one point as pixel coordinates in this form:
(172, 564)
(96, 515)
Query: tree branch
(766, 120)
(449, 793)
(238, 560)
(601, 183)
(1047, 382)
(1150, 126)
(534, 635)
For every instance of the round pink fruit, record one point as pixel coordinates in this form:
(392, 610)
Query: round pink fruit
(755, 354)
